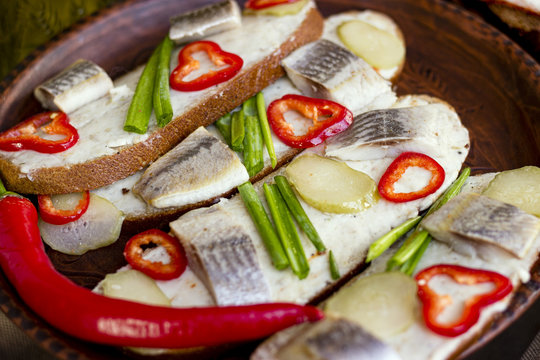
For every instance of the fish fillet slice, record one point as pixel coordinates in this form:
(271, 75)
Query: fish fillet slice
(471, 222)
(386, 133)
(198, 168)
(324, 69)
(221, 253)
(331, 338)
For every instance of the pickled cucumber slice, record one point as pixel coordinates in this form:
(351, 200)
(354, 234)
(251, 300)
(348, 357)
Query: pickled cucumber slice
(331, 185)
(519, 187)
(385, 304)
(135, 286)
(99, 226)
(377, 47)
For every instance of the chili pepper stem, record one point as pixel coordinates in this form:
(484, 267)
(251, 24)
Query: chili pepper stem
(4, 192)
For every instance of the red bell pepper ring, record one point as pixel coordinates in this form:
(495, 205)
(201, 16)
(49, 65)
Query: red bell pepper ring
(187, 64)
(24, 136)
(329, 118)
(133, 252)
(89, 316)
(263, 4)
(398, 167)
(55, 216)
(434, 304)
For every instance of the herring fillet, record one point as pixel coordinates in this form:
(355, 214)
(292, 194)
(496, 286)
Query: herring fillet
(330, 338)
(222, 255)
(373, 134)
(80, 83)
(207, 20)
(198, 168)
(470, 221)
(324, 69)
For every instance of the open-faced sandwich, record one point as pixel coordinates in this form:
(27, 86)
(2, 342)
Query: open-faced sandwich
(261, 176)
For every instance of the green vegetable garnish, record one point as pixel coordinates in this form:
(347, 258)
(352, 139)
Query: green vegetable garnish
(253, 145)
(237, 131)
(287, 231)
(140, 108)
(263, 225)
(298, 212)
(265, 128)
(334, 270)
(223, 125)
(161, 96)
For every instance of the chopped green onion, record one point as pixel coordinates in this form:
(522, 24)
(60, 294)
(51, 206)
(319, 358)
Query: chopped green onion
(298, 212)
(334, 270)
(287, 231)
(415, 241)
(237, 131)
(408, 249)
(140, 108)
(161, 96)
(253, 146)
(265, 128)
(223, 124)
(385, 241)
(452, 191)
(263, 225)
(249, 107)
(410, 265)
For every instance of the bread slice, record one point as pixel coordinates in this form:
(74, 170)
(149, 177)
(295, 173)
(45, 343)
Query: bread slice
(105, 153)
(520, 14)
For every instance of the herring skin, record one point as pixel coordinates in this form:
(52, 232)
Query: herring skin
(472, 222)
(207, 20)
(80, 83)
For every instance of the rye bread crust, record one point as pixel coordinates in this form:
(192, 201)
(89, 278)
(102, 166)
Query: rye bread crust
(128, 160)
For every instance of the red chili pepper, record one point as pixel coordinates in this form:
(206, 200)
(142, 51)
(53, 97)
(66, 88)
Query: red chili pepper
(329, 118)
(55, 216)
(24, 136)
(89, 316)
(434, 304)
(262, 4)
(398, 167)
(187, 64)
(156, 270)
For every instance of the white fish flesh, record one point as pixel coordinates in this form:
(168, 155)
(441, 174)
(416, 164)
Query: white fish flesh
(324, 69)
(199, 168)
(207, 20)
(386, 133)
(79, 84)
(473, 224)
(328, 339)
(222, 255)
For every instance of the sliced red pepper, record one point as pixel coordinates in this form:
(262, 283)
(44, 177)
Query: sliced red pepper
(55, 216)
(398, 167)
(133, 252)
(187, 64)
(434, 304)
(24, 136)
(329, 118)
(263, 4)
